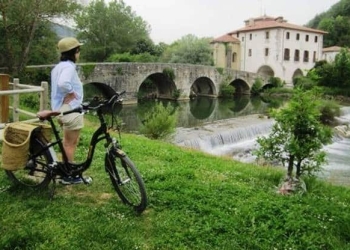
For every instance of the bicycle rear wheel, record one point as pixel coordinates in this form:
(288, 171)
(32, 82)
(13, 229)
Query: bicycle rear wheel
(35, 173)
(127, 181)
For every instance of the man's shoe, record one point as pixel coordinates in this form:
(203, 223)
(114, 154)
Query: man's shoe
(75, 180)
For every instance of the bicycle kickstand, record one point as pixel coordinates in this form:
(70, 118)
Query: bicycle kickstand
(53, 189)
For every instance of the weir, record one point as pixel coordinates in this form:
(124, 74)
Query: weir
(237, 138)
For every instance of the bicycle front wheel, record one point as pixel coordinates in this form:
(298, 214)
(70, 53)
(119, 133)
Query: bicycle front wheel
(35, 173)
(127, 182)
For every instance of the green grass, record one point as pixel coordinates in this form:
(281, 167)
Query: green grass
(196, 201)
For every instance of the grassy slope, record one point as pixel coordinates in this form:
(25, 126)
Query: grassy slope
(196, 201)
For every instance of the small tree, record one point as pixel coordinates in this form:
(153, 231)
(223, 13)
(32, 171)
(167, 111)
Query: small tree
(160, 122)
(257, 87)
(297, 136)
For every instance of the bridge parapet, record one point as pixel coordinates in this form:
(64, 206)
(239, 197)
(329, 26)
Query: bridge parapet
(187, 78)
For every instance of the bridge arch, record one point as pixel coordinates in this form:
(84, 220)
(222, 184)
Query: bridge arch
(297, 72)
(266, 71)
(203, 86)
(157, 85)
(241, 86)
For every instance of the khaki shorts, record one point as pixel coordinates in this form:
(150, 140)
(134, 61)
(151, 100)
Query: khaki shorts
(73, 121)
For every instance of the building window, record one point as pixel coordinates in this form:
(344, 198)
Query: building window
(234, 57)
(250, 36)
(267, 34)
(286, 54)
(306, 56)
(287, 35)
(266, 51)
(250, 52)
(307, 38)
(298, 36)
(316, 38)
(314, 57)
(296, 55)
(242, 38)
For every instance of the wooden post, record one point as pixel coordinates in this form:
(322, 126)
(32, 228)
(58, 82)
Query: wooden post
(4, 99)
(15, 102)
(44, 96)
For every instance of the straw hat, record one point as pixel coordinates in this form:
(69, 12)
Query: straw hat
(67, 44)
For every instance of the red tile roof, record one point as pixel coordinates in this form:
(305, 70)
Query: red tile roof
(266, 22)
(225, 39)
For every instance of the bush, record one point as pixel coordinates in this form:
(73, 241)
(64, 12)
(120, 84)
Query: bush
(276, 82)
(303, 82)
(160, 122)
(329, 110)
(257, 86)
(226, 90)
(169, 73)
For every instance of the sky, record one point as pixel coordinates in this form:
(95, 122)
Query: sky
(172, 19)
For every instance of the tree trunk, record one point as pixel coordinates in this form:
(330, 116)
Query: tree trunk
(26, 50)
(298, 173)
(290, 166)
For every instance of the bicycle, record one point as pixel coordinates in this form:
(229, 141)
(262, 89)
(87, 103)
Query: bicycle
(43, 166)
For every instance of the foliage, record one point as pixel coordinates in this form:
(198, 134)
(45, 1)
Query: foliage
(297, 136)
(87, 69)
(197, 201)
(276, 82)
(24, 26)
(335, 21)
(108, 29)
(226, 90)
(220, 70)
(177, 93)
(329, 110)
(304, 82)
(169, 73)
(189, 49)
(34, 76)
(127, 57)
(160, 122)
(146, 46)
(257, 86)
(30, 100)
(333, 74)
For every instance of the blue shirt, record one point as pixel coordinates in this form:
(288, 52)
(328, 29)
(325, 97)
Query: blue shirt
(64, 80)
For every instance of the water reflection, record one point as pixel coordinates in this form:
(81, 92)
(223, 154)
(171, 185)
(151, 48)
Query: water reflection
(201, 107)
(195, 112)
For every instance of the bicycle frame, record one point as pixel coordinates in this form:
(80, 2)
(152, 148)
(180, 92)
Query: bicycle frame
(65, 168)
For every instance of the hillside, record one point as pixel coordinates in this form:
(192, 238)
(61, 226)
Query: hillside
(336, 21)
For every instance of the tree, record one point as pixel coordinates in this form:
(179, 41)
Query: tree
(298, 136)
(189, 49)
(19, 25)
(109, 29)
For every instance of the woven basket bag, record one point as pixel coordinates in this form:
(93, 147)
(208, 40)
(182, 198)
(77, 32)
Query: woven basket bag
(15, 146)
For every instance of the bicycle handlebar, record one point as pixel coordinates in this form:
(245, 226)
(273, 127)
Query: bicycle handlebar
(104, 103)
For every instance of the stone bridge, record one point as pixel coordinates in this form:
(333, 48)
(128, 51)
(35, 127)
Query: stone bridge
(166, 81)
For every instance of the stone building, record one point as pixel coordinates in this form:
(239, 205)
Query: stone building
(269, 46)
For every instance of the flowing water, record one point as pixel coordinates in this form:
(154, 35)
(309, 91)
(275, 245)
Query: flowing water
(236, 137)
(230, 127)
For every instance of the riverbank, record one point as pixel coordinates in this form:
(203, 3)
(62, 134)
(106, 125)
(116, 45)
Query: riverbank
(196, 201)
(236, 138)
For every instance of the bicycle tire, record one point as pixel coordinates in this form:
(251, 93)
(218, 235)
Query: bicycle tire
(127, 181)
(35, 173)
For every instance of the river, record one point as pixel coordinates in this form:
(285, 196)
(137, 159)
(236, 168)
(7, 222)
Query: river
(230, 127)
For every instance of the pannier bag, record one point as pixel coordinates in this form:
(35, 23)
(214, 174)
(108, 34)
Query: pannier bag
(16, 142)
